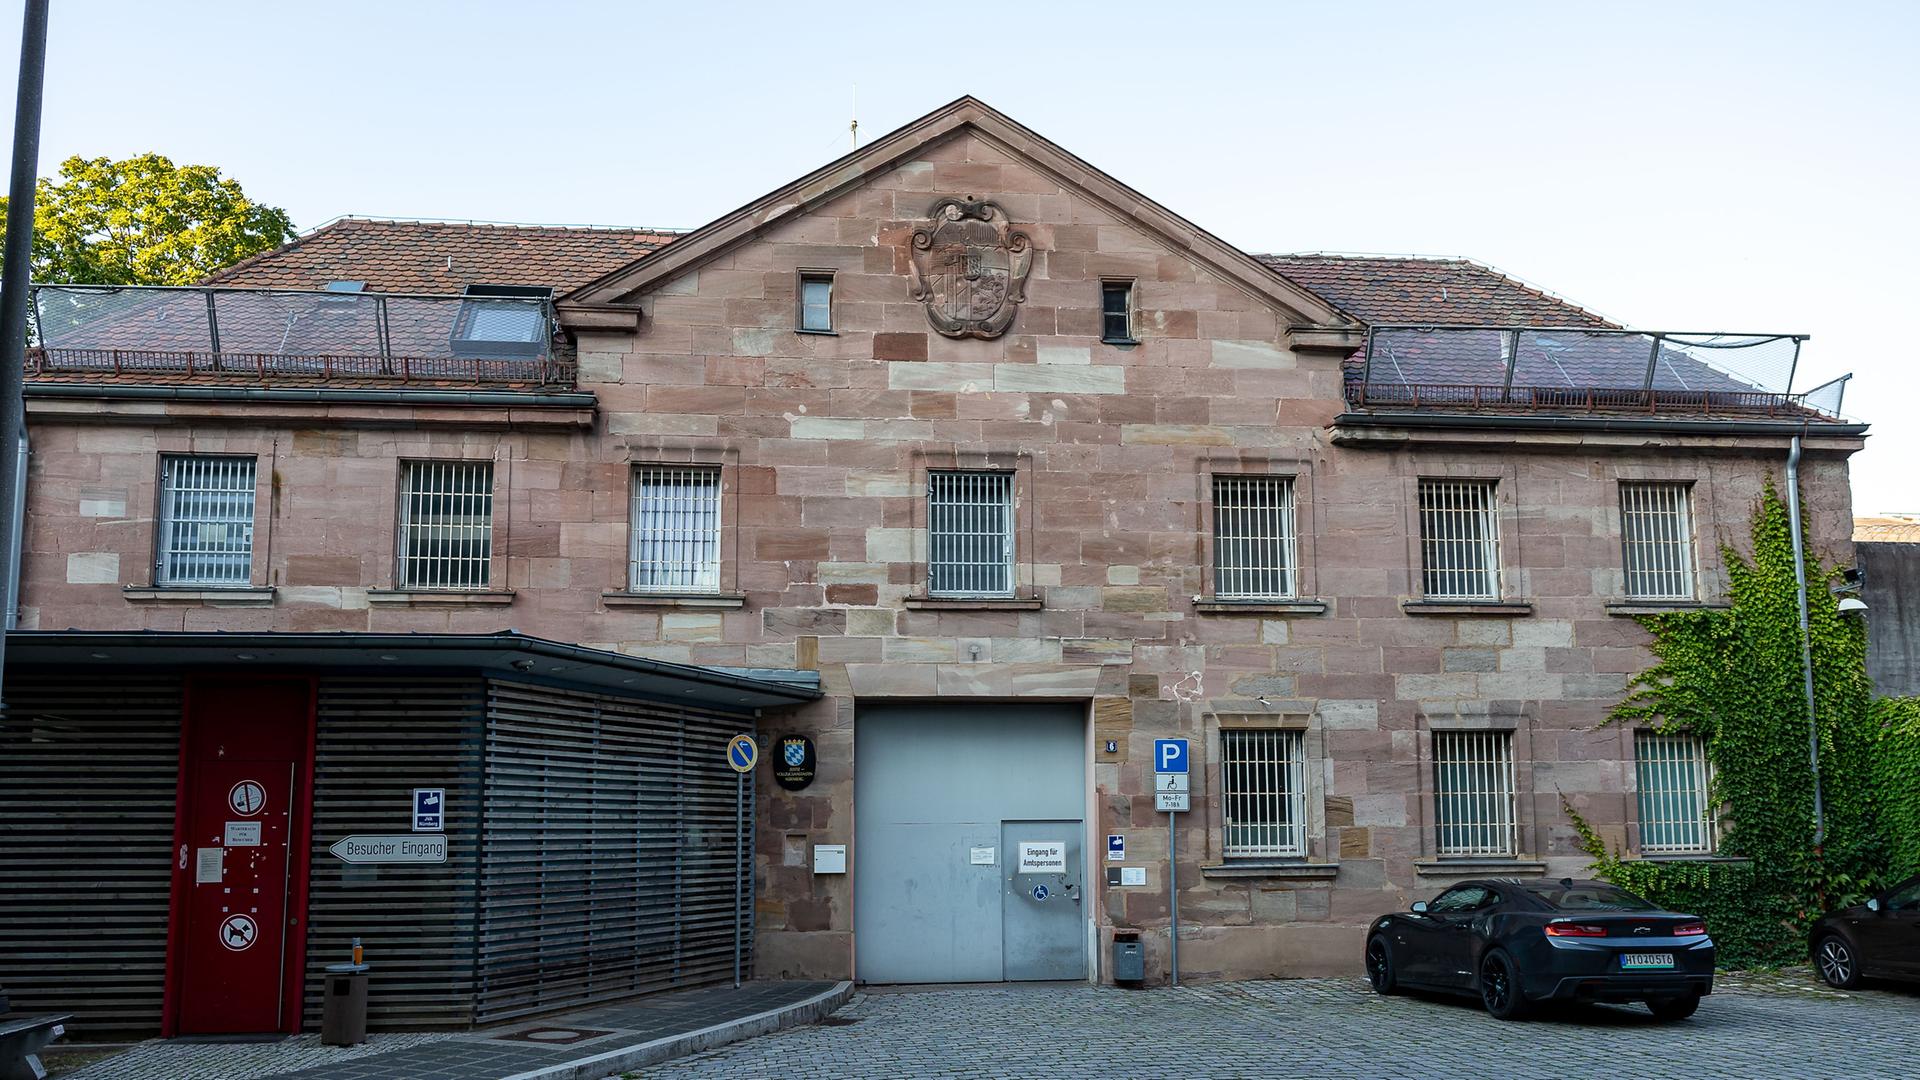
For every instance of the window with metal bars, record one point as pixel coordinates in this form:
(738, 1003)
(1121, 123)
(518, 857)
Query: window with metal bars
(206, 521)
(1674, 777)
(676, 529)
(816, 302)
(1262, 793)
(1459, 540)
(446, 525)
(1253, 538)
(1656, 531)
(1473, 792)
(970, 533)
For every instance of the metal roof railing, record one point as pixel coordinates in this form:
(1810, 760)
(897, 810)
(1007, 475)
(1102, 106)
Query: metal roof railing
(266, 333)
(1557, 368)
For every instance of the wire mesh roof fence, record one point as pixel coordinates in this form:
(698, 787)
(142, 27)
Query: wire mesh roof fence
(276, 332)
(1562, 368)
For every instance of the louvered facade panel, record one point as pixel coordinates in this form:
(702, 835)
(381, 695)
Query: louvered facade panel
(87, 774)
(378, 739)
(609, 865)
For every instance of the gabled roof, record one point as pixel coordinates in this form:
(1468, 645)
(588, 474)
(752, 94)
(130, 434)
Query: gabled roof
(442, 257)
(1429, 291)
(615, 290)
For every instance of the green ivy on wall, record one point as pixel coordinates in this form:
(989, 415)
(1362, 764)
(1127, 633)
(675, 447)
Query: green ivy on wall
(1733, 677)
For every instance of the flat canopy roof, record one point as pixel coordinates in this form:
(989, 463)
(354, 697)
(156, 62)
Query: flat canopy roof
(506, 653)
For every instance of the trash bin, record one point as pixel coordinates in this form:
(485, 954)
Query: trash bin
(343, 1016)
(1129, 963)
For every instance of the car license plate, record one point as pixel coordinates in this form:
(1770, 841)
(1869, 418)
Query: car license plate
(1643, 960)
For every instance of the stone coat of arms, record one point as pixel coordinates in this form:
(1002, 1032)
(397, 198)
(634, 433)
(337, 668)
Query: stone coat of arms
(970, 268)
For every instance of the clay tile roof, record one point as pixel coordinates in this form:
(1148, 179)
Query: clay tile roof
(1412, 289)
(442, 257)
(1887, 530)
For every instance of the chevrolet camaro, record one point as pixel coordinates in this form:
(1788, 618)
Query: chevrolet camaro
(1514, 944)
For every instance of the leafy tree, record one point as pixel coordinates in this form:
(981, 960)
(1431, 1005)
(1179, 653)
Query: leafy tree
(145, 221)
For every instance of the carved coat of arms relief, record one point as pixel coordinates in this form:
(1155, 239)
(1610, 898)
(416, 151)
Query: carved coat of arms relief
(970, 268)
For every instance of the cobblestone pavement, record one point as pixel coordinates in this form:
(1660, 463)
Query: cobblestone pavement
(1765, 1026)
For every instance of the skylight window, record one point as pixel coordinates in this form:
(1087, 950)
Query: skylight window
(502, 320)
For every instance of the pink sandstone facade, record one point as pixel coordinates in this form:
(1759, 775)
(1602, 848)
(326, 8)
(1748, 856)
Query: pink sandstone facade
(824, 443)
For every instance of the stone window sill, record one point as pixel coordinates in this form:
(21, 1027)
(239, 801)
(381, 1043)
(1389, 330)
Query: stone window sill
(1119, 341)
(1708, 860)
(1209, 606)
(439, 597)
(1285, 871)
(162, 594)
(1627, 608)
(974, 603)
(1479, 867)
(1467, 607)
(819, 333)
(673, 600)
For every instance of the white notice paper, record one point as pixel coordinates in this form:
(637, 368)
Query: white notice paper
(210, 866)
(1044, 857)
(983, 856)
(1133, 875)
(243, 834)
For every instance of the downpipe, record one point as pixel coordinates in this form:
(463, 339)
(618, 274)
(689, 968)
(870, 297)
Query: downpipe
(18, 530)
(1806, 640)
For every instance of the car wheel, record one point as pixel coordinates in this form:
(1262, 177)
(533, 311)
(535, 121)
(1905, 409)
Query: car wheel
(1380, 971)
(1838, 966)
(1500, 988)
(1667, 1010)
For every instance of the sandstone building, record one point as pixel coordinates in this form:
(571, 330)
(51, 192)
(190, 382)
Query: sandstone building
(958, 467)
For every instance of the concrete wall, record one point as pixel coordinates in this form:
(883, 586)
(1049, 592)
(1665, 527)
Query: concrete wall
(824, 443)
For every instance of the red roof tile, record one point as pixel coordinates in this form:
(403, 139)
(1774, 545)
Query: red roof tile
(1410, 289)
(442, 257)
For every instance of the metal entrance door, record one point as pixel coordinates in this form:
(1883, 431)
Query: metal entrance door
(933, 785)
(245, 742)
(1041, 930)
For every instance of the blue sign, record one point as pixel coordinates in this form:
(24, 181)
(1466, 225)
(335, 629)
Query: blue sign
(429, 809)
(1040, 892)
(1116, 847)
(743, 753)
(1169, 755)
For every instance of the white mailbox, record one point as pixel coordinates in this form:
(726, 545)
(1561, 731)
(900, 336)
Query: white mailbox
(829, 858)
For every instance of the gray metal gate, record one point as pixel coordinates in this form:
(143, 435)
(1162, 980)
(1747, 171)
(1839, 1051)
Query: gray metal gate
(940, 792)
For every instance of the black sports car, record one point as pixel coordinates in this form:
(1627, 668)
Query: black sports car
(1879, 939)
(1515, 943)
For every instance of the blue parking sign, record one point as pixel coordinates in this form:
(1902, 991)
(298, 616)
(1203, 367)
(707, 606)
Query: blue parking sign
(1169, 755)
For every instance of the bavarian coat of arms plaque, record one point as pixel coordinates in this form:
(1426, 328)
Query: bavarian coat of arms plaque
(970, 268)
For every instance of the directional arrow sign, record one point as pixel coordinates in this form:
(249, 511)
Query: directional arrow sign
(404, 848)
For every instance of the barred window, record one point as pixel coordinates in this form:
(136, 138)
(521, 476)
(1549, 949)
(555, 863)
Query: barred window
(1263, 797)
(1459, 540)
(1656, 530)
(676, 529)
(970, 533)
(1674, 778)
(206, 521)
(1473, 792)
(1253, 538)
(446, 525)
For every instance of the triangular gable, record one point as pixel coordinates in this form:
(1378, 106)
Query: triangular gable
(609, 300)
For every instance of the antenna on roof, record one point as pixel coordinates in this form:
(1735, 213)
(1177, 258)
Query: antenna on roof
(853, 129)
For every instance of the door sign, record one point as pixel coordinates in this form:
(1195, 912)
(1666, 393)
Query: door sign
(243, 834)
(429, 809)
(1040, 892)
(209, 865)
(405, 848)
(1116, 847)
(1044, 857)
(982, 856)
(247, 798)
(742, 753)
(1169, 755)
(238, 932)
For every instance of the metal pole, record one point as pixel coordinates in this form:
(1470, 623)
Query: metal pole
(739, 844)
(1806, 641)
(17, 279)
(1173, 901)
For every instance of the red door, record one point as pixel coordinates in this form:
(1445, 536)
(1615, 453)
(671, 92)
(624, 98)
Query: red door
(245, 745)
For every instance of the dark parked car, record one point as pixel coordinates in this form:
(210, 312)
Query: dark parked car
(1879, 939)
(1515, 943)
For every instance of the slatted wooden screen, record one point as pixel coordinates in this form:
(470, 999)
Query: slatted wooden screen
(608, 865)
(378, 740)
(87, 773)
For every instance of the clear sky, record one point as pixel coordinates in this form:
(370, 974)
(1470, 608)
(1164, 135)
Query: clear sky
(1741, 166)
